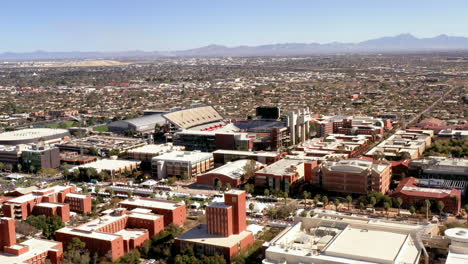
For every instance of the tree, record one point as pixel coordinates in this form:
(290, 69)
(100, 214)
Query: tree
(228, 186)
(306, 196)
(76, 253)
(130, 194)
(399, 202)
(336, 203)
(251, 207)
(249, 188)
(130, 258)
(219, 184)
(386, 207)
(249, 170)
(466, 211)
(373, 201)
(185, 176)
(325, 201)
(349, 199)
(47, 224)
(427, 204)
(440, 206)
(412, 210)
(2, 166)
(404, 155)
(266, 192)
(32, 169)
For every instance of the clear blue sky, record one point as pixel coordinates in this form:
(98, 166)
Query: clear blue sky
(116, 25)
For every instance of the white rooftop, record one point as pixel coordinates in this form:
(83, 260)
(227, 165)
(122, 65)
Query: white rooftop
(152, 203)
(247, 153)
(282, 167)
(36, 247)
(234, 169)
(199, 234)
(155, 148)
(90, 234)
(186, 156)
(108, 164)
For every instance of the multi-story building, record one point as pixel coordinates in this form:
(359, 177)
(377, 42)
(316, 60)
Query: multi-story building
(281, 174)
(226, 230)
(33, 250)
(173, 212)
(354, 176)
(41, 157)
(413, 194)
(111, 166)
(331, 238)
(23, 206)
(180, 163)
(352, 125)
(147, 152)
(439, 168)
(232, 173)
(116, 233)
(412, 141)
(222, 156)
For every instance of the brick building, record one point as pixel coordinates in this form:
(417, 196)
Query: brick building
(413, 194)
(173, 212)
(225, 232)
(354, 176)
(180, 163)
(34, 250)
(281, 174)
(118, 232)
(49, 201)
(232, 173)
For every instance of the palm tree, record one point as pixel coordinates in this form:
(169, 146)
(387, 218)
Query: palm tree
(427, 204)
(399, 202)
(336, 203)
(386, 207)
(349, 199)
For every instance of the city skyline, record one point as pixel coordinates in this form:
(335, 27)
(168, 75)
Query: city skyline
(150, 26)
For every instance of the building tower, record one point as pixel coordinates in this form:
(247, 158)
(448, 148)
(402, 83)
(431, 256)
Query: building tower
(237, 199)
(8, 232)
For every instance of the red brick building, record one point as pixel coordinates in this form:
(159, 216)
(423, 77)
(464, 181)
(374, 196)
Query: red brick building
(117, 233)
(280, 175)
(411, 194)
(34, 250)
(226, 230)
(50, 209)
(354, 176)
(173, 212)
(23, 206)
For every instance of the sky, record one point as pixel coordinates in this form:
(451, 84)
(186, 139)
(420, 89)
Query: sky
(121, 25)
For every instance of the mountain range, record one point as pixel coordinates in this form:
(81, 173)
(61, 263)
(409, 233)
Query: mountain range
(399, 43)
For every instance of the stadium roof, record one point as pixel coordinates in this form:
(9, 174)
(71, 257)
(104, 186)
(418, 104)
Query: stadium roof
(31, 135)
(190, 117)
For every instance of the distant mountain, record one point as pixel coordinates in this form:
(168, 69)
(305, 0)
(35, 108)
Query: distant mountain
(399, 43)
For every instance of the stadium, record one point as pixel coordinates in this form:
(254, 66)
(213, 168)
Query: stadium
(32, 135)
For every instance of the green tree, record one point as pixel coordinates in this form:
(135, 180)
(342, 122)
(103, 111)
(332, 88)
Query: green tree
(266, 192)
(440, 206)
(249, 188)
(228, 186)
(427, 205)
(2, 166)
(373, 201)
(306, 196)
(325, 201)
(399, 202)
(404, 155)
(336, 203)
(386, 207)
(349, 199)
(412, 210)
(219, 184)
(249, 170)
(251, 207)
(76, 253)
(47, 224)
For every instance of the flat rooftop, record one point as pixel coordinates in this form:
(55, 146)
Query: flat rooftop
(199, 234)
(90, 234)
(109, 164)
(233, 170)
(155, 149)
(100, 222)
(368, 244)
(188, 156)
(128, 234)
(36, 247)
(281, 167)
(152, 203)
(247, 153)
